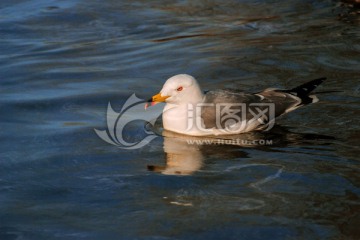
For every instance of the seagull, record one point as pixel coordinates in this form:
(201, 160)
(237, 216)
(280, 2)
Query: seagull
(190, 111)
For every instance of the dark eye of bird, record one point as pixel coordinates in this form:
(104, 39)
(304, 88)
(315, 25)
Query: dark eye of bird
(179, 89)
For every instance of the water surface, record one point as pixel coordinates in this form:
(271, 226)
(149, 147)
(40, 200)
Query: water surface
(61, 62)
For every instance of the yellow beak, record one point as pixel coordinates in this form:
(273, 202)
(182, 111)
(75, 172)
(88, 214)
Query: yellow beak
(159, 98)
(155, 100)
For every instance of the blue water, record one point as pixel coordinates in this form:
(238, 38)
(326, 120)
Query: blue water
(61, 62)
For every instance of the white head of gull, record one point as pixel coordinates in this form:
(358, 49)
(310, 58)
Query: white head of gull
(180, 92)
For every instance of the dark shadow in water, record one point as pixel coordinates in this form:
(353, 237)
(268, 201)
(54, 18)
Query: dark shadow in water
(348, 11)
(185, 155)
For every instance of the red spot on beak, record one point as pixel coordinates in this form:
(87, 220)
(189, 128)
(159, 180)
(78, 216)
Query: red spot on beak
(150, 104)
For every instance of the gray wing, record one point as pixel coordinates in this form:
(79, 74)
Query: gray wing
(223, 105)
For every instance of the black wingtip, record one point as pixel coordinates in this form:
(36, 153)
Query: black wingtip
(305, 89)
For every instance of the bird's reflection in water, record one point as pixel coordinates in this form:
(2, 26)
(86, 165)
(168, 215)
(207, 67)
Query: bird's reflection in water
(181, 158)
(185, 155)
